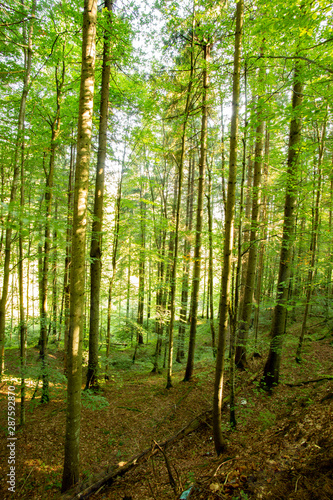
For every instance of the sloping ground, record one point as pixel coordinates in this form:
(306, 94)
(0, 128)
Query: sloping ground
(281, 449)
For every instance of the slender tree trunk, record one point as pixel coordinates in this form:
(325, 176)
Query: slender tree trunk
(96, 236)
(149, 289)
(69, 232)
(314, 241)
(263, 242)
(16, 174)
(246, 308)
(160, 307)
(224, 198)
(173, 280)
(199, 221)
(128, 281)
(329, 268)
(228, 239)
(23, 324)
(77, 281)
(142, 266)
(186, 264)
(55, 281)
(55, 130)
(210, 260)
(113, 269)
(234, 300)
(272, 366)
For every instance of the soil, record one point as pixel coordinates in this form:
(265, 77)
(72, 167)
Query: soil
(282, 447)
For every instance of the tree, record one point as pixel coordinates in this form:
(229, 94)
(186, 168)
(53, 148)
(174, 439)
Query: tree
(272, 366)
(14, 183)
(173, 278)
(77, 282)
(206, 47)
(96, 236)
(228, 238)
(49, 181)
(246, 306)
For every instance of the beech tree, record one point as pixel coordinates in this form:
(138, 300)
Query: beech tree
(272, 366)
(77, 282)
(14, 184)
(96, 237)
(228, 237)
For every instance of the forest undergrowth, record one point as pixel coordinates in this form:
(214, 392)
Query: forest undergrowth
(282, 447)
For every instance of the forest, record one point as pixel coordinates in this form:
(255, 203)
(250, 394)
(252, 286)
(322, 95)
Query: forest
(166, 249)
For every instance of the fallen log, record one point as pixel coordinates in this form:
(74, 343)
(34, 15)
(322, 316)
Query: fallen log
(83, 491)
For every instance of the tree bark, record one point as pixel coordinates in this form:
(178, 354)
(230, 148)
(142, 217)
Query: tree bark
(16, 174)
(314, 241)
(69, 231)
(272, 366)
(23, 323)
(113, 269)
(173, 280)
(228, 239)
(186, 264)
(246, 307)
(263, 217)
(55, 130)
(142, 265)
(77, 281)
(210, 260)
(199, 221)
(96, 236)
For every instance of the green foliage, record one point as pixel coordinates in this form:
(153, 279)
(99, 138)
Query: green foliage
(266, 419)
(93, 401)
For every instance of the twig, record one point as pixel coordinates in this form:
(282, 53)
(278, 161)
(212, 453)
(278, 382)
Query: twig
(226, 461)
(299, 384)
(171, 479)
(299, 477)
(151, 490)
(26, 480)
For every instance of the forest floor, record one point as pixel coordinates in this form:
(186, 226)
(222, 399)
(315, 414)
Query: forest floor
(282, 447)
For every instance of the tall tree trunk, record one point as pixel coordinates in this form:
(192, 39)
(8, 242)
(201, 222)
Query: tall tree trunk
(237, 278)
(55, 281)
(113, 268)
(246, 308)
(69, 232)
(263, 242)
(173, 281)
(55, 130)
(199, 221)
(77, 281)
(166, 284)
(16, 174)
(314, 240)
(210, 260)
(186, 263)
(228, 239)
(329, 268)
(23, 324)
(128, 281)
(142, 265)
(96, 236)
(272, 366)
(160, 244)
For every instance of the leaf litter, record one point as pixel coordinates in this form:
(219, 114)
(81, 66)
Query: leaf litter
(281, 449)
